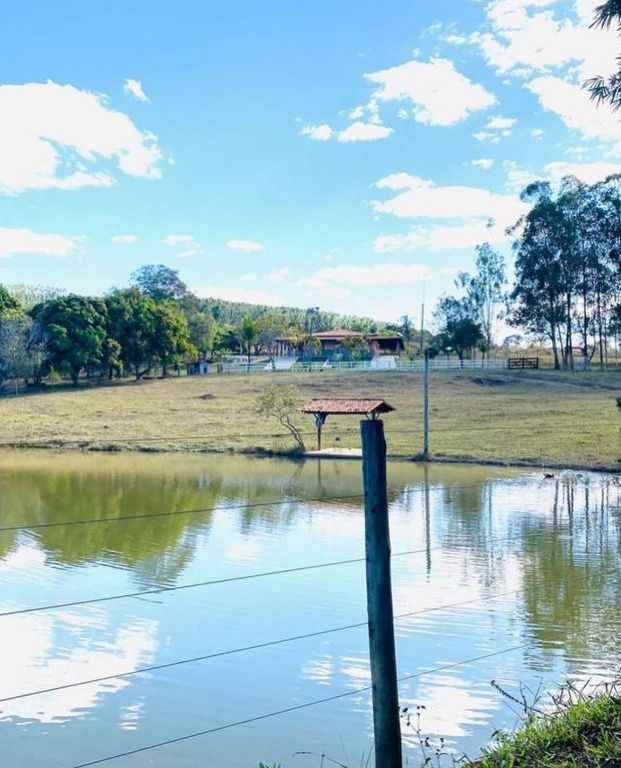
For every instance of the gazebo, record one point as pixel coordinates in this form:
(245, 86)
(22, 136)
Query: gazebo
(372, 408)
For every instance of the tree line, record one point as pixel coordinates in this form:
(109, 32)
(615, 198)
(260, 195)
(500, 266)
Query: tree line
(157, 322)
(566, 292)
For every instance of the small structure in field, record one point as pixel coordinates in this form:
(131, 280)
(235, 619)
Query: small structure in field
(372, 408)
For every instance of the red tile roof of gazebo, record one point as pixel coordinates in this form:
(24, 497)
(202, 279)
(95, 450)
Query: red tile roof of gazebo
(347, 406)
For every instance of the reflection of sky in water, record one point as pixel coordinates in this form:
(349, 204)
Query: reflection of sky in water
(530, 562)
(47, 649)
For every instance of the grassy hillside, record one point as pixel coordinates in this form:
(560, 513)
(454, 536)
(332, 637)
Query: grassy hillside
(538, 416)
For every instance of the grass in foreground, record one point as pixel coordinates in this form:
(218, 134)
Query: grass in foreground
(584, 734)
(581, 731)
(540, 417)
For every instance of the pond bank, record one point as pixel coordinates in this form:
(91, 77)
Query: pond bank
(294, 455)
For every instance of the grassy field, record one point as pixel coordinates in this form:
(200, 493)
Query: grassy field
(540, 417)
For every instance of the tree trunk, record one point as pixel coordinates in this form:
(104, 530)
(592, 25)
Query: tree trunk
(554, 346)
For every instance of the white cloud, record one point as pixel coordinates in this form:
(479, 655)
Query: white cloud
(450, 271)
(484, 163)
(518, 178)
(321, 132)
(377, 274)
(134, 87)
(487, 136)
(501, 123)
(450, 202)
(246, 295)
(396, 181)
(189, 253)
(53, 136)
(426, 85)
(536, 134)
(177, 239)
(125, 239)
(590, 173)
(278, 275)
(443, 237)
(572, 105)
(360, 131)
(248, 246)
(475, 215)
(14, 242)
(318, 287)
(527, 36)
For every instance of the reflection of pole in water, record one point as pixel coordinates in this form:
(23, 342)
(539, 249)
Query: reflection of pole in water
(587, 522)
(427, 518)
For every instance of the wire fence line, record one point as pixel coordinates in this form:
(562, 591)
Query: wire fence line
(295, 708)
(253, 647)
(244, 506)
(265, 644)
(224, 580)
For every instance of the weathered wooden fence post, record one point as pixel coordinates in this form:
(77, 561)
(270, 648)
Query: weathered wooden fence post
(386, 722)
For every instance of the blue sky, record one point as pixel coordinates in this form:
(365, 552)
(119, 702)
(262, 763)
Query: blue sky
(335, 154)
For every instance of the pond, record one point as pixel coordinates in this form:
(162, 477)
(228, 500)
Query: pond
(497, 574)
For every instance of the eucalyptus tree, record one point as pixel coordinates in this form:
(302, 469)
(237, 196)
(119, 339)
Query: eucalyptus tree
(485, 290)
(538, 294)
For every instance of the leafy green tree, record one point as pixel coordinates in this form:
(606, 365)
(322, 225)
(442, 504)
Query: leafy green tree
(202, 328)
(8, 302)
(607, 89)
(132, 322)
(463, 335)
(172, 336)
(459, 332)
(159, 282)
(75, 328)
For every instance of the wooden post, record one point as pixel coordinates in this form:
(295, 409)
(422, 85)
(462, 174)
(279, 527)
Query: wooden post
(386, 722)
(426, 409)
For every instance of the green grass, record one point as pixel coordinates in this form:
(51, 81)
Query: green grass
(538, 417)
(586, 734)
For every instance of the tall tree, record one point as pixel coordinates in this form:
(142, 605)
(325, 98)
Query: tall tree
(172, 336)
(248, 332)
(132, 323)
(459, 331)
(159, 282)
(538, 293)
(485, 289)
(75, 328)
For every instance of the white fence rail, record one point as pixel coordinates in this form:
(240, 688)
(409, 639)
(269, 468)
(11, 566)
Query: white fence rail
(436, 364)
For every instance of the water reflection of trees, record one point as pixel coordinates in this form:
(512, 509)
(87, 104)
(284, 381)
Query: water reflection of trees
(569, 561)
(155, 548)
(558, 540)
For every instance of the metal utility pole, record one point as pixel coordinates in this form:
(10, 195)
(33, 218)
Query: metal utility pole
(422, 326)
(426, 408)
(387, 726)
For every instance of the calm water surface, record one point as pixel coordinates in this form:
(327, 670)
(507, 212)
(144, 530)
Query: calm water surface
(499, 562)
